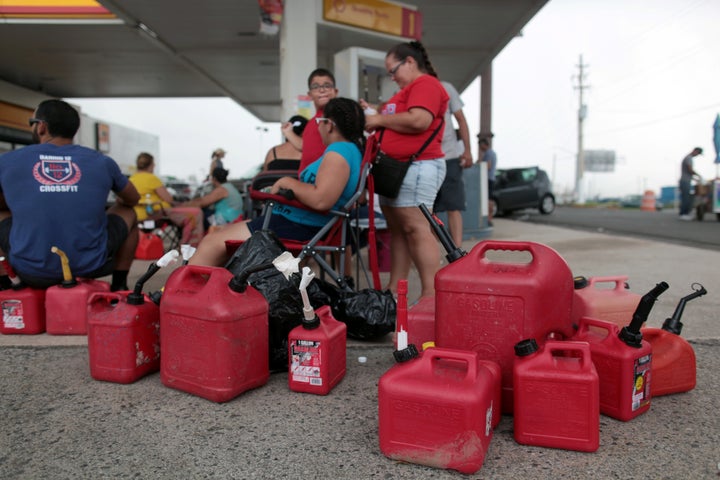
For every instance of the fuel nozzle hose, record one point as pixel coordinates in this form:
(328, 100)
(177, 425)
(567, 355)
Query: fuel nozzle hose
(631, 334)
(673, 324)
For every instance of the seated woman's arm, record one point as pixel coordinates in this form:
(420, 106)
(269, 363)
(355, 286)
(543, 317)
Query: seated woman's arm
(164, 195)
(332, 177)
(217, 194)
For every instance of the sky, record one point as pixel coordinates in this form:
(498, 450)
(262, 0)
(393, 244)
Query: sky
(651, 67)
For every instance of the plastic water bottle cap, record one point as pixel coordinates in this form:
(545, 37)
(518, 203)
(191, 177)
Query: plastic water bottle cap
(362, 359)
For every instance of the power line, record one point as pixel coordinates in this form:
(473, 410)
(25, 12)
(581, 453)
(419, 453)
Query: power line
(659, 120)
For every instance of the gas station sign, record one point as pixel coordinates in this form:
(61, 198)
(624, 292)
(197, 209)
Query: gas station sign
(376, 15)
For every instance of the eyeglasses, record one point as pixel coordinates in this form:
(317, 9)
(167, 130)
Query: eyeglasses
(324, 86)
(394, 70)
(33, 121)
(323, 120)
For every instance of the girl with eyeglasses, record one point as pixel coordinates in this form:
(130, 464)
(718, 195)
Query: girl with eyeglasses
(407, 120)
(327, 183)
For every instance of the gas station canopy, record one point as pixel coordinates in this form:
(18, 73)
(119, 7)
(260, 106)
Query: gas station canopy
(186, 48)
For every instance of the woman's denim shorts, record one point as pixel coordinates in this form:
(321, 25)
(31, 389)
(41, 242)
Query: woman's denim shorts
(421, 185)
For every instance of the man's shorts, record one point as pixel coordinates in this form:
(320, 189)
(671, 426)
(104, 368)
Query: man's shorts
(451, 196)
(117, 233)
(421, 184)
(284, 228)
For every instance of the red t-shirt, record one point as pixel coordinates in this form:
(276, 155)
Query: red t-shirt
(426, 92)
(313, 146)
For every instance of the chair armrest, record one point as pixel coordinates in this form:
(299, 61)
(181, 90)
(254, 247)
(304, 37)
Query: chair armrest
(264, 197)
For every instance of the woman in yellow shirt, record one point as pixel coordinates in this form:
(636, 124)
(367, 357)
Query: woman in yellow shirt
(155, 201)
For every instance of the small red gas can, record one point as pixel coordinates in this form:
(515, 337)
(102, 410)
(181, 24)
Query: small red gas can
(624, 371)
(214, 334)
(317, 354)
(438, 410)
(23, 311)
(66, 305)
(421, 322)
(556, 391)
(149, 247)
(674, 367)
(502, 292)
(604, 298)
(123, 336)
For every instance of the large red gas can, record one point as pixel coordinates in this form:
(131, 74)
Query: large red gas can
(23, 311)
(214, 339)
(438, 410)
(421, 322)
(149, 247)
(66, 305)
(673, 362)
(624, 371)
(316, 352)
(503, 292)
(123, 336)
(556, 391)
(604, 298)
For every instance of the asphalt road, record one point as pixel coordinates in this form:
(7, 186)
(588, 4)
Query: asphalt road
(661, 226)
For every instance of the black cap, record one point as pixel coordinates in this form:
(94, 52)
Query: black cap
(580, 282)
(526, 347)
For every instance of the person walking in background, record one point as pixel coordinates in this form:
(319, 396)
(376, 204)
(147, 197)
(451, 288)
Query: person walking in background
(686, 175)
(216, 161)
(155, 198)
(321, 89)
(286, 156)
(54, 194)
(406, 121)
(222, 205)
(488, 155)
(451, 197)
(327, 183)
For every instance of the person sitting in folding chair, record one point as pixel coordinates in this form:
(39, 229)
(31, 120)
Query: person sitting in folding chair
(328, 183)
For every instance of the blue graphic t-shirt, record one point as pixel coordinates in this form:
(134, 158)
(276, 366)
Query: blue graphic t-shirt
(351, 153)
(57, 196)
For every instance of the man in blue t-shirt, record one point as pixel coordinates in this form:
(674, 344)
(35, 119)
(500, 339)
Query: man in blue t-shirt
(54, 193)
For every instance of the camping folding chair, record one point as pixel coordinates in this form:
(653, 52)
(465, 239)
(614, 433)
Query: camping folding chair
(337, 237)
(162, 225)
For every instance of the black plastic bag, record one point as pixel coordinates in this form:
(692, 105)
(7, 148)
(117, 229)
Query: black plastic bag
(368, 313)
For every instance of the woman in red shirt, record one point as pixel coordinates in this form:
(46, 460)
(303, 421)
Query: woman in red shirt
(408, 120)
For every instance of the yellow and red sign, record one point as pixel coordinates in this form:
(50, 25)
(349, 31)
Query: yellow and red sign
(65, 9)
(376, 15)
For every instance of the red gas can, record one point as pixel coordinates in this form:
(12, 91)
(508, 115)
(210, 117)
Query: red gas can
(673, 365)
(317, 354)
(556, 393)
(23, 311)
(214, 336)
(592, 298)
(421, 322)
(149, 247)
(438, 410)
(502, 292)
(624, 371)
(123, 336)
(66, 305)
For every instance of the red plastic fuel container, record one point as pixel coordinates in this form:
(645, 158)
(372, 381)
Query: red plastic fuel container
(317, 353)
(66, 305)
(23, 311)
(421, 322)
(624, 370)
(556, 392)
(503, 292)
(439, 410)
(604, 298)
(149, 247)
(123, 336)
(214, 334)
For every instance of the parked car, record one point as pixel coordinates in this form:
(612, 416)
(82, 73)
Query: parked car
(180, 190)
(520, 188)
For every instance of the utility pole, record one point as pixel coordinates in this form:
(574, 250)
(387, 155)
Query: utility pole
(582, 113)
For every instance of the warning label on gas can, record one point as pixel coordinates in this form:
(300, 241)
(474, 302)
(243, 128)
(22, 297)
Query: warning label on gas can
(305, 362)
(13, 314)
(641, 389)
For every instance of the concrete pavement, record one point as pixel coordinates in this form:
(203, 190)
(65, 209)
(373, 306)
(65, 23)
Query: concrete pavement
(57, 422)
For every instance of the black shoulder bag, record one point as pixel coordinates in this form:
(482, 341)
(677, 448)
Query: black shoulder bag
(389, 173)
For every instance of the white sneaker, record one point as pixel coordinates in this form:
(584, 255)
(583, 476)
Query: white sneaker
(686, 217)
